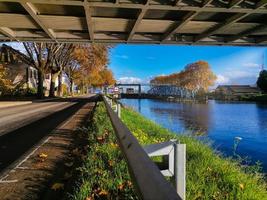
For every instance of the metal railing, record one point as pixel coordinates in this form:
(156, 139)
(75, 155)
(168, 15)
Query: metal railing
(148, 180)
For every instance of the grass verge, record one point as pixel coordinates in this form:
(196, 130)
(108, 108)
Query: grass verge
(209, 176)
(103, 173)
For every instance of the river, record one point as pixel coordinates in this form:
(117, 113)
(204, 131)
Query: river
(218, 121)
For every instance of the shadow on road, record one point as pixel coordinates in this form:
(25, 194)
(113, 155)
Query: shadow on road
(17, 143)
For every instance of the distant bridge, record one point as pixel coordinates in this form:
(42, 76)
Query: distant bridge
(161, 90)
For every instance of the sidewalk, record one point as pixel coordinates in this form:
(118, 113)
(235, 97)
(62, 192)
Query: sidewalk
(5, 104)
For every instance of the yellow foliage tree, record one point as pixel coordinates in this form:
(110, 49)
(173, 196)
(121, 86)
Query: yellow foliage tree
(196, 76)
(5, 83)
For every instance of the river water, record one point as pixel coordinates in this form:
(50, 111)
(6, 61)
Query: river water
(218, 121)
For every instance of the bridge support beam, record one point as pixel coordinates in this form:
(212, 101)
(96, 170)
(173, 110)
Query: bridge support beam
(139, 90)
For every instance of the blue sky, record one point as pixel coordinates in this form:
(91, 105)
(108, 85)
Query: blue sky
(232, 65)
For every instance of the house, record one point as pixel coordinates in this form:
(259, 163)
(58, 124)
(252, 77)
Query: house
(22, 74)
(234, 92)
(18, 72)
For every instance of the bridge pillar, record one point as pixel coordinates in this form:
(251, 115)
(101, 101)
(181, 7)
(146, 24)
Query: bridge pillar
(139, 90)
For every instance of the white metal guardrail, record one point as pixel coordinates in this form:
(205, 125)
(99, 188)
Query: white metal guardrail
(148, 180)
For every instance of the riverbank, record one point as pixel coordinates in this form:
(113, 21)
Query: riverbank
(209, 176)
(260, 98)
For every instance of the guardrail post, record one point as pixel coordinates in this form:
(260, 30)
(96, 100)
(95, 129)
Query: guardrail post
(180, 169)
(148, 180)
(119, 110)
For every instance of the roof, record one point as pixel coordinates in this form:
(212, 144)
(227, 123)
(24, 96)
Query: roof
(240, 88)
(198, 22)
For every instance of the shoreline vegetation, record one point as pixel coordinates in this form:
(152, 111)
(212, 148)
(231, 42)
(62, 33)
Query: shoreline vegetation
(103, 173)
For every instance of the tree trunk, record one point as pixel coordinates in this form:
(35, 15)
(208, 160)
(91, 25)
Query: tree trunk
(71, 87)
(53, 84)
(40, 87)
(59, 88)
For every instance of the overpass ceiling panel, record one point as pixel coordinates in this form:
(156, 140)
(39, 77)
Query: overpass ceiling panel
(115, 12)
(196, 27)
(71, 34)
(25, 33)
(18, 21)
(165, 14)
(237, 28)
(146, 37)
(112, 24)
(212, 16)
(109, 36)
(60, 10)
(154, 26)
(64, 22)
(130, 1)
(11, 7)
(255, 18)
(159, 21)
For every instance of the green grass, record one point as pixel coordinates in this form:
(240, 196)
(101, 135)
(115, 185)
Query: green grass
(258, 98)
(103, 172)
(209, 175)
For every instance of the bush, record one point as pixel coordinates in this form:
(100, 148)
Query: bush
(262, 80)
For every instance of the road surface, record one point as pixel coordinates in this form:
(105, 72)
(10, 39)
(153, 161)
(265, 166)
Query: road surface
(22, 127)
(15, 117)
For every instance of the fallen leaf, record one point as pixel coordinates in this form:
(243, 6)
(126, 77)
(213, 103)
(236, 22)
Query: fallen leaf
(43, 155)
(69, 164)
(57, 186)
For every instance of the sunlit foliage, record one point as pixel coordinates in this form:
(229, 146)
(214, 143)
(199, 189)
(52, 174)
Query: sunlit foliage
(195, 76)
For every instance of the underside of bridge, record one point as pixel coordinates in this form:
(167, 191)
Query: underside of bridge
(197, 22)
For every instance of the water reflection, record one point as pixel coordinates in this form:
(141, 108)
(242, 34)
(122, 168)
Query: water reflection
(219, 121)
(192, 117)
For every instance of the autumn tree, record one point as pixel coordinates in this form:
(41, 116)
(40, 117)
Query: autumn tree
(90, 65)
(61, 59)
(198, 76)
(195, 76)
(5, 82)
(262, 80)
(41, 57)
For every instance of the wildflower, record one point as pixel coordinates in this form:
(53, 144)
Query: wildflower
(103, 193)
(241, 186)
(42, 155)
(57, 186)
(120, 186)
(129, 183)
(114, 145)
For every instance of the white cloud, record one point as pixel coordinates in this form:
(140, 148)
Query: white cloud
(129, 80)
(250, 64)
(235, 74)
(122, 56)
(222, 80)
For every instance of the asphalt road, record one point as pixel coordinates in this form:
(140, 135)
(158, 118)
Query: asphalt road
(15, 117)
(22, 127)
